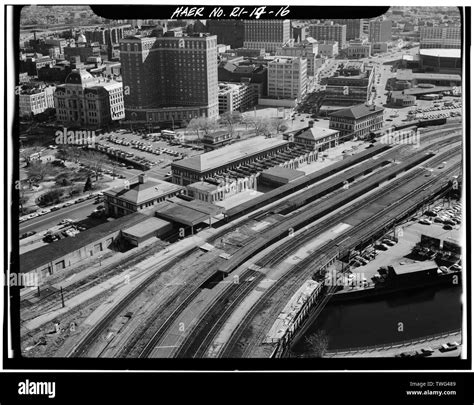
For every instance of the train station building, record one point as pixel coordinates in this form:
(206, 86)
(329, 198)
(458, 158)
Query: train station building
(141, 195)
(357, 121)
(241, 159)
(315, 138)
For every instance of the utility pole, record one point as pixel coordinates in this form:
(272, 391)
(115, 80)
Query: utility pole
(62, 297)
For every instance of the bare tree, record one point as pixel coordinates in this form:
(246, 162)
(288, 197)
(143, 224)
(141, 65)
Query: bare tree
(194, 127)
(317, 343)
(281, 125)
(208, 125)
(97, 162)
(261, 125)
(230, 119)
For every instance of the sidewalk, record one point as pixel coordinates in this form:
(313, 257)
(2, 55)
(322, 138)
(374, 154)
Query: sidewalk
(382, 351)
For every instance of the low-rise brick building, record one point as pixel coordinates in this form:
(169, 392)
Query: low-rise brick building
(356, 121)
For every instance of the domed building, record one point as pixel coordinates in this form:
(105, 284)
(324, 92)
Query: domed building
(80, 77)
(81, 39)
(88, 101)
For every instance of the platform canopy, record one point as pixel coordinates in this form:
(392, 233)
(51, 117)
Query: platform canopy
(189, 213)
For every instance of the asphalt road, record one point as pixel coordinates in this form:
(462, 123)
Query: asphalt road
(77, 212)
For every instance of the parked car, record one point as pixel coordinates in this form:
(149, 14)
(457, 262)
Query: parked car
(27, 234)
(447, 348)
(425, 221)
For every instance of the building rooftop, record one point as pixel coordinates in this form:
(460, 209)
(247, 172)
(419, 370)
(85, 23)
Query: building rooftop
(145, 228)
(187, 213)
(283, 172)
(49, 253)
(315, 133)
(437, 76)
(357, 111)
(418, 91)
(441, 53)
(138, 193)
(203, 186)
(414, 267)
(228, 154)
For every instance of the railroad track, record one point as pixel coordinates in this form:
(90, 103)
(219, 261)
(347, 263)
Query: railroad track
(191, 346)
(205, 330)
(82, 347)
(98, 328)
(196, 342)
(328, 252)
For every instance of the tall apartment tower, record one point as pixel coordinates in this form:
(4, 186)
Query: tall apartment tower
(328, 31)
(229, 32)
(267, 34)
(446, 36)
(170, 79)
(380, 30)
(354, 27)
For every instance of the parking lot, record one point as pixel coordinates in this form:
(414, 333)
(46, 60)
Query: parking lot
(146, 152)
(440, 221)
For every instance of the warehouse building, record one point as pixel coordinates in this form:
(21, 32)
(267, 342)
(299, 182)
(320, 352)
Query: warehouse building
(93, 242)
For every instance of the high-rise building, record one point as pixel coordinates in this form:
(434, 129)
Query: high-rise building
(365, 26)
(354, 27)
(267, 34)
(85, 100)
(380, 30)
(307, 49)
(446, 36)
(287, 78)
(299, 32)
(328, 31)
(229, 32)
(169, 79)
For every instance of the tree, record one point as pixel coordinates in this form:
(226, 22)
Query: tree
(194, 126)
(88, 185)
(204, 124)
(261, 125)
(229, 119)
(208, 125)
(97, 161)
(317, 343)
(37, 171)
(281, 126)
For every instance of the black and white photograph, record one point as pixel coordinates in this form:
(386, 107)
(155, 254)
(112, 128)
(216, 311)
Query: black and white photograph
(237, 187)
